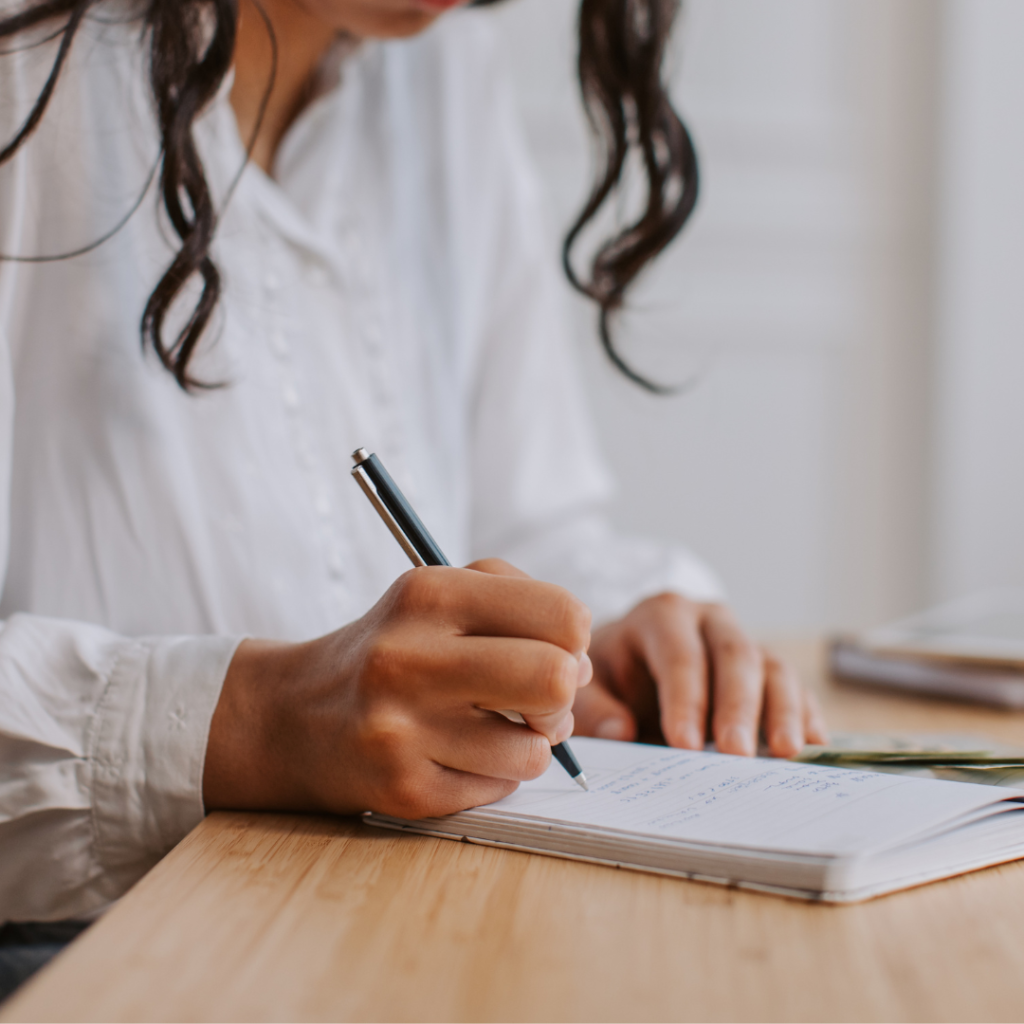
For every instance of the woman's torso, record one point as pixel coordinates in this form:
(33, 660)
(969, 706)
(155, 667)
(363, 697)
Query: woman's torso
(347, 320)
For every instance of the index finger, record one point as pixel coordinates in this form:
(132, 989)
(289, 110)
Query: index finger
(498, 567)
(483, 604)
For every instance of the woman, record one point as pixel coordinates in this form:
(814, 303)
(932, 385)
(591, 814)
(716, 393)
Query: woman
(338, 244)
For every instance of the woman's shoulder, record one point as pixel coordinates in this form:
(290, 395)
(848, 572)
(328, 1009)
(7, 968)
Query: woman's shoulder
(106, 65)
(91, 151)
(25, 61)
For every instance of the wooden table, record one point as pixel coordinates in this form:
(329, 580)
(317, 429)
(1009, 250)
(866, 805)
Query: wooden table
(279, 917)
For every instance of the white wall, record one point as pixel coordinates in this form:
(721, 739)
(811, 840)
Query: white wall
(978, 532)
(800, 296)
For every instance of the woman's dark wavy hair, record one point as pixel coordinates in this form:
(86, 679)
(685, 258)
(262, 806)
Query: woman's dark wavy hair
(621, 54)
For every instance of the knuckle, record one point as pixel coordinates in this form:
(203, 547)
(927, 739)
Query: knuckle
(383, 661)
(494, 567)
(574, 619)
(781, 672)
(737, 648)
(737, 700)
(536, 759)
(501, 789)
(408, 797)
(387, 732)
(685, 659)
(692, 707)
(670, 604)
(403, 592)
(416, 590)
(558, 679)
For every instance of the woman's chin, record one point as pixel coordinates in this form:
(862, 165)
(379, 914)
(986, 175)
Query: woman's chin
(380, 19)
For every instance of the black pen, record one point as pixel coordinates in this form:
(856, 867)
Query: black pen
(422, 549)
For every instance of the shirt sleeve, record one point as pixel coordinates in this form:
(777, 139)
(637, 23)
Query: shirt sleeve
(102, 737)
(540, 485)
(102, 744)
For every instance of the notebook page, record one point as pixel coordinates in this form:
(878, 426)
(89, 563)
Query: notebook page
(752, 802)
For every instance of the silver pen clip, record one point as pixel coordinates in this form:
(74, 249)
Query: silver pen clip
(364, 481)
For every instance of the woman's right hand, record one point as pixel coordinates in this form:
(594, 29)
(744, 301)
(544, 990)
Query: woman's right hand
(397, 712)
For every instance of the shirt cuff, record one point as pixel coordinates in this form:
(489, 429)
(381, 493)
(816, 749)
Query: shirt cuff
(148, 747)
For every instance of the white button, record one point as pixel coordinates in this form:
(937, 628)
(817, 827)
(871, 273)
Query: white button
(323, 505)
(373, 331)
(271, 281)
(291, 398)
(279, 344)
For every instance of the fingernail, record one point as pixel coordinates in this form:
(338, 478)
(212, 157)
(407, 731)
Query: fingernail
(586, 671)
(612, 729)
(736, 740)
(693, 738)
(787, 742)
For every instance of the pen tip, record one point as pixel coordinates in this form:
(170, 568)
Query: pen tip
(581, 780)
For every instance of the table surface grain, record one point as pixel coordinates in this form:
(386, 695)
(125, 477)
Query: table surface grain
(286, 917)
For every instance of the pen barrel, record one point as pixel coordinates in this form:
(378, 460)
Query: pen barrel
(395, 502)
(560, 751)
(566, 758)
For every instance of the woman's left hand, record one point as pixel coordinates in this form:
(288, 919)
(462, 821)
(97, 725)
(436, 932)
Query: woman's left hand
(681, 672)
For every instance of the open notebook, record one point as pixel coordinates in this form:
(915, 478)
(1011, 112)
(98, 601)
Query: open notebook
(812, 831)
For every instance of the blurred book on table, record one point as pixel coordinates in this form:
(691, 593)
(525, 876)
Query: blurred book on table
(971, 649)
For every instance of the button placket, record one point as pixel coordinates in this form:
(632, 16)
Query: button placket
(279, 343)
(370, 324)
(281, 325)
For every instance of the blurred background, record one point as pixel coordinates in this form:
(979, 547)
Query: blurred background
(847, 301)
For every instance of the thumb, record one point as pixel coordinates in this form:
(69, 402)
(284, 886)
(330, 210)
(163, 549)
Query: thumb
(598, 713)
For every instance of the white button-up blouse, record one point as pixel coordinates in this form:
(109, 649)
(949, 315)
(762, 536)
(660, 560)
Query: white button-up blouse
(391, 287)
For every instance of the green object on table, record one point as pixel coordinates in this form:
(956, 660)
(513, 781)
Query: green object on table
(952, 757)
